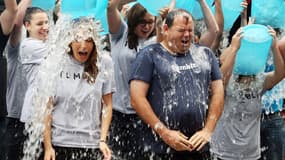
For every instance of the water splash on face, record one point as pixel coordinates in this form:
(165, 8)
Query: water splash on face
(174, 48)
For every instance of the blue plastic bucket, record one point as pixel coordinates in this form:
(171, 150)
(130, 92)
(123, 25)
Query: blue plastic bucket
(78, 8)
(252, 55)
(197, 10)
(188, 5)
(233, 5)
(269, 12)
(101, 15)
(153, 6)
(231, 10)
(44, 4)
(230, 17)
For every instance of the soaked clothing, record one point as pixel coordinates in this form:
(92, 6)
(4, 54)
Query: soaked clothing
(272, 131)
(16, 89)
(63, 153)
(123, 58)
(76, 118)
(3, 74)
(178, 91)
(17, 85)
(32, 53)
(237, 134)
(3, 81)
(124, 135)
(15, 138)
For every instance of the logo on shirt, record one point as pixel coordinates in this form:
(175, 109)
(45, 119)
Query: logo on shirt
(191, 66)
(69, 75)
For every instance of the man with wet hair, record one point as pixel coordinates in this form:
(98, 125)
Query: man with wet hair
(173, 84)
(7, 18)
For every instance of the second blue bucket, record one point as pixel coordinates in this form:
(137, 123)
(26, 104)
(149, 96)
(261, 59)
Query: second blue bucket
(153, 7)
(78, 8)
(252, 55)
(44, 4)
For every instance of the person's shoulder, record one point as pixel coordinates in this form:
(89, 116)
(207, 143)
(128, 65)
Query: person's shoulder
(206, 50)
(31, 40)
(33, 49)
(151, 48)
(33, 43)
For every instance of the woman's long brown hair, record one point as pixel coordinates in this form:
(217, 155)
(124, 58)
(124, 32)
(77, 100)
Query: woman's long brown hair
(134, 16)
(90, 66)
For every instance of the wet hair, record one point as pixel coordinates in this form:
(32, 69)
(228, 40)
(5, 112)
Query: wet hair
(84, 28)
(29, 14)
(134, 17)
(174, 13)
(90, 68)
(90, 65)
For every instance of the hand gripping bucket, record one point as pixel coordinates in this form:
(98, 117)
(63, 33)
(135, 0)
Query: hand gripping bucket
(252, 55)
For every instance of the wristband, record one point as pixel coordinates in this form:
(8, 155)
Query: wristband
(158, 126)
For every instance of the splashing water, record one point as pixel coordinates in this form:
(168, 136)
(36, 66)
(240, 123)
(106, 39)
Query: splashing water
(62, 34)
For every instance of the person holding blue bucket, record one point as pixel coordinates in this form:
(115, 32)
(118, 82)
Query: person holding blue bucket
(237, 135)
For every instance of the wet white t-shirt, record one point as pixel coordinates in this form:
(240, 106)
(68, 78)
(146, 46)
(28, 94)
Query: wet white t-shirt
(76, 118)
(32, 53)
(237, 134)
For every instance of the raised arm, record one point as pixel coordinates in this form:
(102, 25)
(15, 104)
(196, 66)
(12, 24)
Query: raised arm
(220, 21)
(172, 5)
(17, 30)
(243, 13)
(281, 46)
(7, 17)
(279, 73)
(106, 121)
(228, 57)
(212, 26)
(174, 139)
(113, 15)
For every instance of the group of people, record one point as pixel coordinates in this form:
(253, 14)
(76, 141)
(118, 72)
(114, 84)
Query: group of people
(164, 90)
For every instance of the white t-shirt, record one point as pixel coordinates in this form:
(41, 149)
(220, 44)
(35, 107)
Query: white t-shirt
(32, 53)
(76, 118)
(123, 57)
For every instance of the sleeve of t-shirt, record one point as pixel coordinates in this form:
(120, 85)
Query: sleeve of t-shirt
(216, 73)
(109, 84)
(31, 71)
(142, 68)
(115, 37)
(32, 51)
(12, 53)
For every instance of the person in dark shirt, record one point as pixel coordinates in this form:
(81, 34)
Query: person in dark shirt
(7, 18)
(169, 88)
